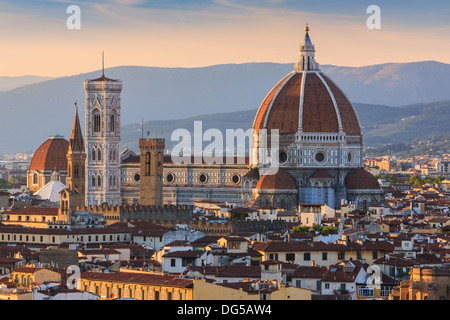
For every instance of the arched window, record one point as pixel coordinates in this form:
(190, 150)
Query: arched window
(96, 121)
(99, 157)
(159, 163)
(147, 164)
(99, 181)
(112, 123)
(35, 178)
(93, 181)
(76, 172)
(93, 154)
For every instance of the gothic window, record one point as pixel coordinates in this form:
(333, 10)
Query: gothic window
(76, 171)
(99, 181)
(93, 181)
(111, 182)
(147, 164)
(35, 178)
(96, 121)
(99, 154)
(93, 155)
(112, 123)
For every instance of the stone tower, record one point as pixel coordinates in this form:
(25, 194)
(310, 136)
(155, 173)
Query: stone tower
(151, 170)
(103, 141)
(76, 164)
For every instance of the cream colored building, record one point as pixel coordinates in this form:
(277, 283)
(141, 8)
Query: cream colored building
(251, 291)
(136, 285)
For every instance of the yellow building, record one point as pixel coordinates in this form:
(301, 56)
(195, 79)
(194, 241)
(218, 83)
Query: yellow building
(34, 217)
(255, 290)
(28, 276)
(424, 284)
(136, 285)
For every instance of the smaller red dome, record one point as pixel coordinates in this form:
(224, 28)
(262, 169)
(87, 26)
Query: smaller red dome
(280, 180)
(361, 179)
(51, 155)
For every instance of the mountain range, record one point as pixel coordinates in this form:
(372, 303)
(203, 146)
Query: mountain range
(33, 112)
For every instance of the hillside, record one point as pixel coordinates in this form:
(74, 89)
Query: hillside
(381, 124)
(34, 112)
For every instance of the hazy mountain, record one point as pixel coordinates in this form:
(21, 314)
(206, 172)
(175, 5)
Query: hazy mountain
(33, 112)
(10, 83)
(381, 124)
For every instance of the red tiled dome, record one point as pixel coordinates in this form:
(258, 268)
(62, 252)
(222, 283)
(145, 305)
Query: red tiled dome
(279, 180)
(321, 174)
(51, 155)
(361, 179)
(323, 106)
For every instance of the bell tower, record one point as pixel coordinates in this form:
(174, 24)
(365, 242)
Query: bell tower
(76, 164)
(103, 103)
(151, 170)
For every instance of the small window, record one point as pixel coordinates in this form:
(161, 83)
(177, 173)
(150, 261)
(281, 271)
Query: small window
(170, 178)
(203, 178)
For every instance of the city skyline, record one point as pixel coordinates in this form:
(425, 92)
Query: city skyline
(36, 40)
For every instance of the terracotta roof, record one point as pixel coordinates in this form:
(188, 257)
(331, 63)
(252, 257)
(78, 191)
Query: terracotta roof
(51, 155)
(281, 107)
(102, 78)
(361, 179)
(280, 180)
(252, 174)
(184, 254)
(228, 271)
(321, 174)
(51, 211)
(27, 270)
(315, 272)
(141, 278)
(292, 246)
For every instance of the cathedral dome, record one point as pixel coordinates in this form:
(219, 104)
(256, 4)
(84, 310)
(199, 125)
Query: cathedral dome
(360, 179)
(51, 155)
(306, 100)
(281, 180)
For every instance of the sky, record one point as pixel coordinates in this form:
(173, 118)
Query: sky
(35, 39)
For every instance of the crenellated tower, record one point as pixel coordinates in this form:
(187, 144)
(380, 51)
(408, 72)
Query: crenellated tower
(151, 171)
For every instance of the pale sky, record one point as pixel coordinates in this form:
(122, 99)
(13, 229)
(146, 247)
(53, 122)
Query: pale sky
(193, 33)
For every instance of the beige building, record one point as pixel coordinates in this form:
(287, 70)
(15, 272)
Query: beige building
(255, 290)
(424, 284)
(28, 276)
(136, 285)
(33, 217)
